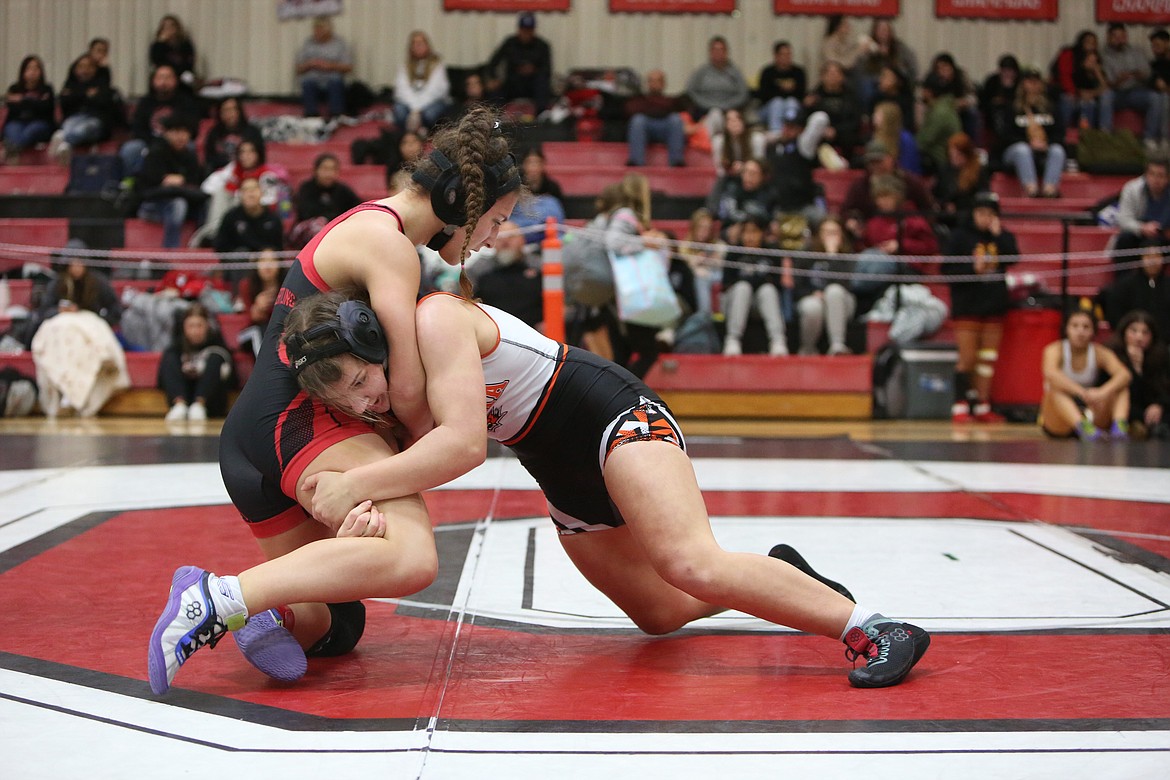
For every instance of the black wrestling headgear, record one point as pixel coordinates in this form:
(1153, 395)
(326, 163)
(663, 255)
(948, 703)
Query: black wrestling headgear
(448, 200)
(355, 330)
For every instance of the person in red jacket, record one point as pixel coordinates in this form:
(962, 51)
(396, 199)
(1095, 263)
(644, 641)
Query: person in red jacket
(893, 229)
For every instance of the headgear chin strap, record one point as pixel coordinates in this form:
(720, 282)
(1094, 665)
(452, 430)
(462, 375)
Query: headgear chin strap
(355, 330)
(448, 198)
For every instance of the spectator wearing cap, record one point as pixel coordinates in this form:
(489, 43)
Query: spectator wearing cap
(168, 185)
(322, 63)
(1143, 211)
(995, 99)
(979, 302)
(858, 205)
(525, 60)
(1128, 73)
(1033, 138)
(793, 158)
(939, 122)
(716, 86)
(654, 116)
(781, 90)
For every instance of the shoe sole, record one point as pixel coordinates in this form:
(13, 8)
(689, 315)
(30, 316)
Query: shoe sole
(921, 643)
(156, 662)
(790, 556)
(272, 649)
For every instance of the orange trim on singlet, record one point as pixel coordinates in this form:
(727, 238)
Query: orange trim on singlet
(274, 526)
(309, 267)
(543, 399)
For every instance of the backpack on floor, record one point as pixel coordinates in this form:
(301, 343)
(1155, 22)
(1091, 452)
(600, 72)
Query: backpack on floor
(94, 174)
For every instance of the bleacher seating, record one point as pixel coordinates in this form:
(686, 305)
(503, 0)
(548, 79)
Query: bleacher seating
(33, 179)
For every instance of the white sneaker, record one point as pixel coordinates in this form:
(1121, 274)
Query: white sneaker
(732, 346)
(778, 348)
(178, 412)
(197, 412)
(839, 349)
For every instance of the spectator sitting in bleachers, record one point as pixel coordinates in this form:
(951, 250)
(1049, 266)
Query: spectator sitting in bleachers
(737, 143)
(1128, 72)
(230, 129)
(950, 79)
(1094, 98)
(716, 86)
(1137, 342)
(249, 226)
(886, 51)
(256, 297)
(996, 96)
(1145, 288)
(752, 281)
(890, 130)
(892, 86)
(172, 46)
(1160, 64)
(824, 302)
(781, 89)
(88, 110)
(1143, 211)
(1061, 78)
(546, 200)
(895, 227)
(521, 66)
(168, 184)
(960, 178)
(840, 102)
(940, 120)
(510, 279)
(32, 106)
(222, 187)
(858, 205)
(196, 371)
(99, 50)
(422, 93)
(978, 307)
(319, 199)
(703, 250)
(654, 117)
(842, 45)
(322, 63)
(77, 287)
(164, 99)
(792, 160)
(750, 192)
(1035, 134)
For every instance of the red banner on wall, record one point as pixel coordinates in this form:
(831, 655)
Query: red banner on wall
(1032, 10)
(506, 5)
(672, 6)
(846, 7)
(1136, 11)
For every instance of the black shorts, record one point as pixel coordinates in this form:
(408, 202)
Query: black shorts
(595, 407)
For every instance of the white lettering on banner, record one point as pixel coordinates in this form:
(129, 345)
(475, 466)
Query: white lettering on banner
(849, 3)
(994, 5)
(1140, 6)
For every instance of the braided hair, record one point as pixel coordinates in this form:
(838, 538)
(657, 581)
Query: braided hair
(473, 143)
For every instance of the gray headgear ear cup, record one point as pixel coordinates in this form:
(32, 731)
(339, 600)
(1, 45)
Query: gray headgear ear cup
(355, 330)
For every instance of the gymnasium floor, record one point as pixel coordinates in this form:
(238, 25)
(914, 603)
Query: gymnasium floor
(1042, 568)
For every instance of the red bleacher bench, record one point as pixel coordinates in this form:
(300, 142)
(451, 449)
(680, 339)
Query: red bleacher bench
(144, 234)
(1093, 187)
(33, 179)
(615, 154)
(591, 179)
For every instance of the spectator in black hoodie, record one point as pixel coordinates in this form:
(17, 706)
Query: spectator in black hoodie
(168, 184)
(88, 107)
(146, 126)
(230, 128)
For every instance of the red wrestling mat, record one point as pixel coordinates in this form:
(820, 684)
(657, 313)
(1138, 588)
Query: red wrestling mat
(89, 601)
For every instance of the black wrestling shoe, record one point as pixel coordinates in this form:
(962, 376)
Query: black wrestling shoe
(890, 650)
(793, 558)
